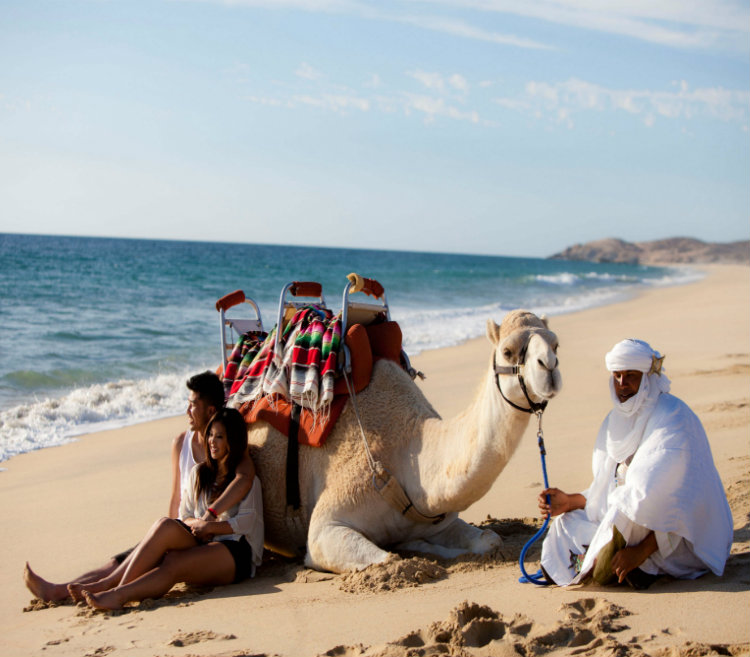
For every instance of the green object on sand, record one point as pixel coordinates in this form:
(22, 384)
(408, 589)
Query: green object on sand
(603, 574)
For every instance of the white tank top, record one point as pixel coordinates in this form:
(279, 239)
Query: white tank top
(187, 460)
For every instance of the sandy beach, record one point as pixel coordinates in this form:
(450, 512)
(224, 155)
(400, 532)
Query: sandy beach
(69, 508)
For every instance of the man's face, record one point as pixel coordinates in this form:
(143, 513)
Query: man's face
(199, 412)
(627, 383)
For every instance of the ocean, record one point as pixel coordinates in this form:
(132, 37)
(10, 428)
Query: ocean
(99, 333)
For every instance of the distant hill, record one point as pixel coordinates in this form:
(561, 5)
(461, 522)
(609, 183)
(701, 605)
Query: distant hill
(676, 250)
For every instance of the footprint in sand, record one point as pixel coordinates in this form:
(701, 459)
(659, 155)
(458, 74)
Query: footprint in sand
(473, 629)
(182, 639)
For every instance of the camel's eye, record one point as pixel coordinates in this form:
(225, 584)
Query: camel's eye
(507, 353)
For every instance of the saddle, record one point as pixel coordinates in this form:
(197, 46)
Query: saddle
(366, 345)
(371, 336)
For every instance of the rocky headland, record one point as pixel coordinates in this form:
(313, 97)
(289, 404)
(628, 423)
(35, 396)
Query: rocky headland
(675, 250)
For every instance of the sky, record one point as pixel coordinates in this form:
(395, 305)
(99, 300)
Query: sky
(504, 127)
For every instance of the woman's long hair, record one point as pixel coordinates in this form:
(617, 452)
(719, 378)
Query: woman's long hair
(209, 479)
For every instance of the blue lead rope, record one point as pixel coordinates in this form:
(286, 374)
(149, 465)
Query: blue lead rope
(538, 577)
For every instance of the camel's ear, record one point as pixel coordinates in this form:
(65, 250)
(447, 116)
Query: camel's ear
(544, 320)
(493, 332)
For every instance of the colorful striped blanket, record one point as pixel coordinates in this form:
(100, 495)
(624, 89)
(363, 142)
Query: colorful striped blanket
(241, 359)
(302, 372)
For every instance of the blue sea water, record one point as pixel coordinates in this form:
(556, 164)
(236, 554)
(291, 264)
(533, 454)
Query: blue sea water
(99, 333)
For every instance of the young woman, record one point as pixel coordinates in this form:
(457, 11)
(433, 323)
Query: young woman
(205, 553)
(205, 396)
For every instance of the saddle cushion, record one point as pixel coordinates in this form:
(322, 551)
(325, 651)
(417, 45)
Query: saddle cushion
(313, 431)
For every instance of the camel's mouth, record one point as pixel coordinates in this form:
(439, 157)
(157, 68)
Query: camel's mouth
(554, 385)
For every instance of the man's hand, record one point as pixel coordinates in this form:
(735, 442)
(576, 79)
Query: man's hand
(633, 556)
(201, 529)
(559, 502)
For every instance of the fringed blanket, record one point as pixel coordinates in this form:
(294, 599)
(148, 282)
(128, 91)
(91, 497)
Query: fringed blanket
(366, 344)
(304, 369)
(241, 359)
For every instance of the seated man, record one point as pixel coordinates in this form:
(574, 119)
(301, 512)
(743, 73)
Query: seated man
(656, 505)
(205, 397)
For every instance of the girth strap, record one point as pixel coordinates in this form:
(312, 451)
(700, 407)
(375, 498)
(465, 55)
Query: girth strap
(292, 459)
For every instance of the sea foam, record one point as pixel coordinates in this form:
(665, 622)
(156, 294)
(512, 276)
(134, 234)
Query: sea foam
(55, 421)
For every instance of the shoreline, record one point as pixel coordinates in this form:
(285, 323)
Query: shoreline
(44, 405)
(74, 506)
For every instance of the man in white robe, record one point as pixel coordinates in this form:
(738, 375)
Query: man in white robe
(657, 505)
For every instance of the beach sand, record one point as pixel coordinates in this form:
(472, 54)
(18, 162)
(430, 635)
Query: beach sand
(69, 508)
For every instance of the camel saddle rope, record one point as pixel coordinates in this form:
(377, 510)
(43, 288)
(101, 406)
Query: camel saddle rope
(384, 483)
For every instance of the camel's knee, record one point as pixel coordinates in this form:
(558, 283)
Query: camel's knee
(461, 535)
(341, 549)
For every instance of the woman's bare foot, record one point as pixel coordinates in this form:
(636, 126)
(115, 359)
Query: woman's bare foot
(75, 589)
(42, 589)
(106, 600)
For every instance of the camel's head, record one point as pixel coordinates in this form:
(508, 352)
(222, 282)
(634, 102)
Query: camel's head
(524, 339)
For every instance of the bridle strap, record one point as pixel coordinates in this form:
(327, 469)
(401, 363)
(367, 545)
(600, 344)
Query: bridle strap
(516, 369)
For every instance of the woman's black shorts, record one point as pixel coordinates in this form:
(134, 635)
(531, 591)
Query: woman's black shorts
(242, 554)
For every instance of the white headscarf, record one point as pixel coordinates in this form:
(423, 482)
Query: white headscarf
(628, 419)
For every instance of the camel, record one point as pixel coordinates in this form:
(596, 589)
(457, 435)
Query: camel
(343, 523)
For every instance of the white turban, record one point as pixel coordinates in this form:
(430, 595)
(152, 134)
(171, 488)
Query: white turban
(631, 355)
(628, 419)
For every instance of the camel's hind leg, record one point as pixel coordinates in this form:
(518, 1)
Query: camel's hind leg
(457, 538)
(335, 546)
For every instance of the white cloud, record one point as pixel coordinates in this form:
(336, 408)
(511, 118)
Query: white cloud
(445, 96)
(702, 24)
(674, 23)
(374, 82)
(458, 82)
(307, 72)
(460, 28)
(333, 102)
(433, 108)
(429, 80)
(574, 95)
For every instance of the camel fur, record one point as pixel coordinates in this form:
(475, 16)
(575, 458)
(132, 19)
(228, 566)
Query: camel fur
(444, 466)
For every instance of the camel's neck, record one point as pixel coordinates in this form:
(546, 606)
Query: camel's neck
(462, 457)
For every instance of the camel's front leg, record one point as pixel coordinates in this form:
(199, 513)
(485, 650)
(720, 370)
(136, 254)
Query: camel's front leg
(455, 539)
(335, 546)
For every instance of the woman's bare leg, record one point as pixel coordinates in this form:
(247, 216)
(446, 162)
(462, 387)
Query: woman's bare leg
(107, 581)
(203, 565)
(57, 592)
(165, 535)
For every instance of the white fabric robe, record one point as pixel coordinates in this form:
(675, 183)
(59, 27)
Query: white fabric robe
(671, 487)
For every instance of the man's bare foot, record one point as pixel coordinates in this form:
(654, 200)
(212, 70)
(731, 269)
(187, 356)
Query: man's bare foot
(42, 589)
(106, 600)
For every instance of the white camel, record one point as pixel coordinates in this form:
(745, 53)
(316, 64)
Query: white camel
(444, 466)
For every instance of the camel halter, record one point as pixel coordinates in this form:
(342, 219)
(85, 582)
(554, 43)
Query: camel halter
(517, 369)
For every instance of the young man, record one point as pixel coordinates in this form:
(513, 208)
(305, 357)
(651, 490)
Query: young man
(657, 505)
(205, 397)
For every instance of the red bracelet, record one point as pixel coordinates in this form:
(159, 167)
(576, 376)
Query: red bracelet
(212, 512)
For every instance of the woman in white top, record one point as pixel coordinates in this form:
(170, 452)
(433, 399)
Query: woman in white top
(223, 550)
